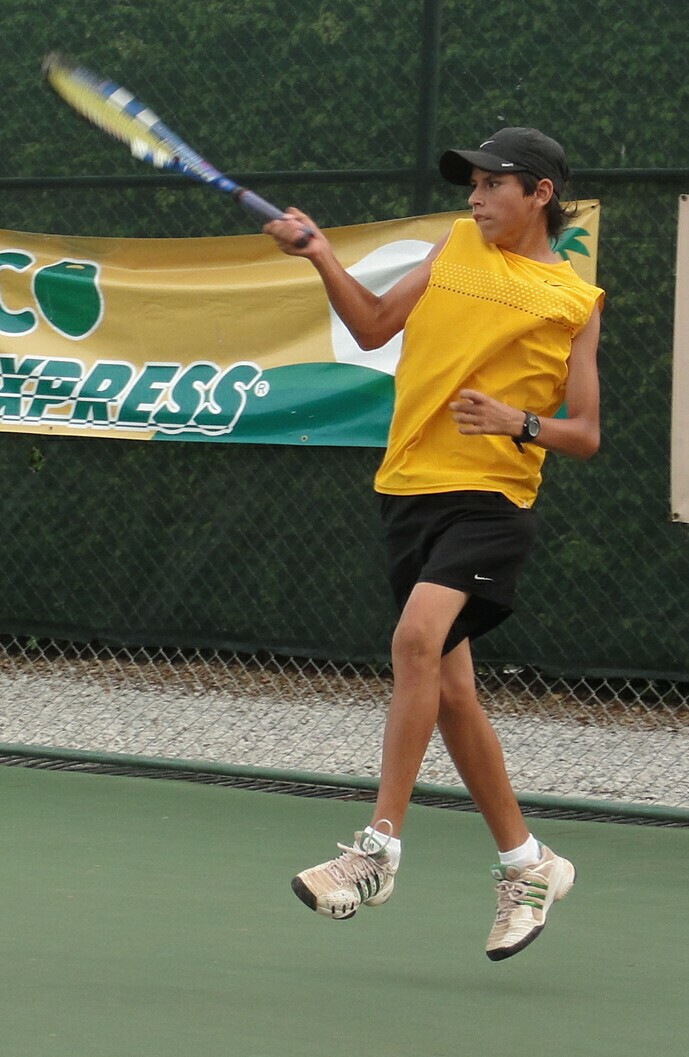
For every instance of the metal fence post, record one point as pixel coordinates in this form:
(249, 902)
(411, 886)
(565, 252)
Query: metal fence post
(428, 106)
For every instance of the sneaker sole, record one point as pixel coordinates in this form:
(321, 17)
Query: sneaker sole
(304, 893)
(500, 953)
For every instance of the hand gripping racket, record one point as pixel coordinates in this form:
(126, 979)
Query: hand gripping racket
(117, 112)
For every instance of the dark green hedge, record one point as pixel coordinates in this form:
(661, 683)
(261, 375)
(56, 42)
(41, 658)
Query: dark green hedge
(277, 547)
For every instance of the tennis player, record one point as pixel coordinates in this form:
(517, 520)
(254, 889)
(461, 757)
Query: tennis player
(499, 332)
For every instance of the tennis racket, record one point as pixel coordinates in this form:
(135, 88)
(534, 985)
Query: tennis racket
(117, 112)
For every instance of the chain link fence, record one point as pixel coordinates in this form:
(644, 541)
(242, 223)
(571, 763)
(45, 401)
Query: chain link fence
(226, 603)
(588, 741)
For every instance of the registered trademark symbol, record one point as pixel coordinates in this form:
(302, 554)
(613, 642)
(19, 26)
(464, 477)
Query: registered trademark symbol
(262, 388)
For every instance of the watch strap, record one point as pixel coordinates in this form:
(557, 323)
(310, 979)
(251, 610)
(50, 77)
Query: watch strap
(528, 433)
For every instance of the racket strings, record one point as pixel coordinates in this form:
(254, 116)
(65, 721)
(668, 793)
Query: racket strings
(117, 112)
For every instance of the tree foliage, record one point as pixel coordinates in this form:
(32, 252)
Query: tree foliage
(265, 86)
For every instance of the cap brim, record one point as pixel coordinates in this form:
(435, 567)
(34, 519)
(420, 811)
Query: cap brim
(456, 165)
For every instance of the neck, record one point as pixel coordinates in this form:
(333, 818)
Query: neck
(531, 243)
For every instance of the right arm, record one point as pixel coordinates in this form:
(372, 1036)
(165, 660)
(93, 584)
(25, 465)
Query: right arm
(371, 319)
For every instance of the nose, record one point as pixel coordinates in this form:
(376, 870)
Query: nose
(474, 197)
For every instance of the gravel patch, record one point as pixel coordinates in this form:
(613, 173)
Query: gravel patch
(326, 721)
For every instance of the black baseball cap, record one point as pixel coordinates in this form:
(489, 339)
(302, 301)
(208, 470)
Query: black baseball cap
(510, 150)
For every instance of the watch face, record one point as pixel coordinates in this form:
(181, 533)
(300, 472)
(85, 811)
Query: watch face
(533, 426)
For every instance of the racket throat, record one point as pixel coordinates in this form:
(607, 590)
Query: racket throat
(258, 207)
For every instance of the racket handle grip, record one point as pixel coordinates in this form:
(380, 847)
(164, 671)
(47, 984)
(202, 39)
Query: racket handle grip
(265, 211)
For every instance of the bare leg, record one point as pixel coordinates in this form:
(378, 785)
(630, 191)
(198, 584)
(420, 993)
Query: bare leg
(475, 750)
(416, 659)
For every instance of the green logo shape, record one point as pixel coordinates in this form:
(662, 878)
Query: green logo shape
(570, 242)
(68, 296)
(21, 322)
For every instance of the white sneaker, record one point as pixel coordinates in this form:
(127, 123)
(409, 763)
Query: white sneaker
(363, 873)
(525, 896)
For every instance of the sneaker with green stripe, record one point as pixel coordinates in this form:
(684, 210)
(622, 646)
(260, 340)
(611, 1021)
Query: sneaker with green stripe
(525, 896)
(362, 874)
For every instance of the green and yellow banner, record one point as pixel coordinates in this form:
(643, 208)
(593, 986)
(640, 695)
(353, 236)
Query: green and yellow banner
(217, 339)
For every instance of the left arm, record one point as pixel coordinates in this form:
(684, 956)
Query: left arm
(577, 435)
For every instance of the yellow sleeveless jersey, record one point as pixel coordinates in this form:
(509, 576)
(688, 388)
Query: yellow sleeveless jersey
(488, 320)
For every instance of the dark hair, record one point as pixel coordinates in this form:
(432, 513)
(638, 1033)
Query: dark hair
(556, 215)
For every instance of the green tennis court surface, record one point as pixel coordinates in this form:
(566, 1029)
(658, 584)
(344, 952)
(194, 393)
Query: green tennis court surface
(154, 918)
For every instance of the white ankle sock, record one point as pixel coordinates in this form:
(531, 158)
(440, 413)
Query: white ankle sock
(525, 855)
(392, 845)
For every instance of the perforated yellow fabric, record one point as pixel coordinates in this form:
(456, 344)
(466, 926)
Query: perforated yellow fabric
(539, 299)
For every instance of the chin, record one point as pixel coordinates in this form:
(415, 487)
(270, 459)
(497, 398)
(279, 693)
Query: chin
(487, 233)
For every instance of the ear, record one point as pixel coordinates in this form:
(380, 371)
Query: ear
(544, 192)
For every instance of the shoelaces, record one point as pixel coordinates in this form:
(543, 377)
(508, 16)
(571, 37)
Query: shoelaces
(357, 861)
(515, 892)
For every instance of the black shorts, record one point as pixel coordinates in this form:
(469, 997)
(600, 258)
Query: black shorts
(475, 542)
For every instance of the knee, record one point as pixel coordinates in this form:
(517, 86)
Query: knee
(458, 698)
(413, 644)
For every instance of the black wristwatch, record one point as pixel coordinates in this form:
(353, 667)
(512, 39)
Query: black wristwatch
(530, 430)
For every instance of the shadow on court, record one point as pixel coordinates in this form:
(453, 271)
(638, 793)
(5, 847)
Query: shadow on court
(154, 918)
